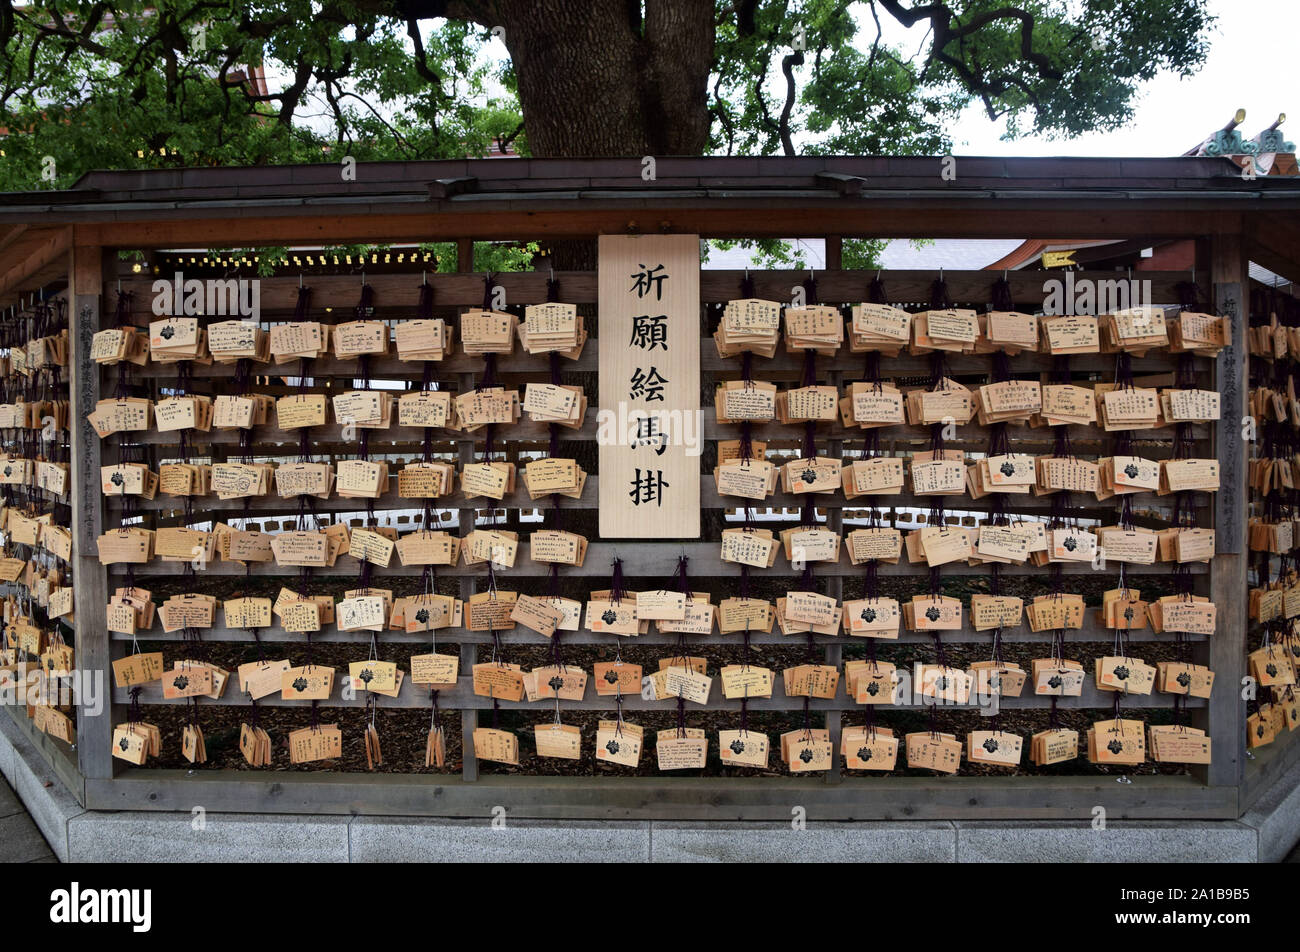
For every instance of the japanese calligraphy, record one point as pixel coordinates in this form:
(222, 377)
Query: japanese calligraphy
(649, 331)
(647, 278)
(647, 385)
(648, 488)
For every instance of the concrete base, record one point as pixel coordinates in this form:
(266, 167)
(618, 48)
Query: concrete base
(48, 801)
(1265, 834)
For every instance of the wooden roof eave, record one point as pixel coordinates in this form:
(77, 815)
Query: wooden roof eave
(44, 256)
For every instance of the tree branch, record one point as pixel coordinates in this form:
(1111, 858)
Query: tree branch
(503, 142)
(788, 62)
(941, 17)
(987, 88)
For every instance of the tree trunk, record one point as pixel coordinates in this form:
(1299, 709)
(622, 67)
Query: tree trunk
(595, 81)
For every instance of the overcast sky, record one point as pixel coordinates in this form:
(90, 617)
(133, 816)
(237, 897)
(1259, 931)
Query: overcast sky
(1252, 64)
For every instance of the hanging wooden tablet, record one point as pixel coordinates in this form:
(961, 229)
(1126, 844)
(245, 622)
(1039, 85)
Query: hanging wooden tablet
(1178, 744)
(815, 327)
(427, 339)
(428, 547)
(556, 546)
(743, 748)
(1058, 677)
(558, 740)
(748, 325)
(435, 749)
(951, 329)
(192, 748)
(1070, 334)
(434, 669)
(299, 339)
(1125, 674)
(255, 745)
(306, 683)
(374, 756)
(879, 327)
(312, 744)
(355, 338)
(176, 338)
(553, 328)
(1117, 741)
(129, 745)
(1053, 746)
(807, 404)
(555, 403)
(997, 679)
(619, 742)
(867, 748)
(487, 332)
(998, 748)
(680, 748)
(737, 400)
(933, 751)
(491, 610)
(1007, 331)
(495, 745)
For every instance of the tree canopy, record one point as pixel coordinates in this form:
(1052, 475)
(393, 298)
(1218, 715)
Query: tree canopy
(128, 84)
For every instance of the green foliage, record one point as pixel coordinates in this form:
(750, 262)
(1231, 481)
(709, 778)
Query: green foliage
(164, 87)
(857, 93)
(773, 254)
(136, 84)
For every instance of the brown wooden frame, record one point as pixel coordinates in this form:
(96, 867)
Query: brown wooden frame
(1093, 198)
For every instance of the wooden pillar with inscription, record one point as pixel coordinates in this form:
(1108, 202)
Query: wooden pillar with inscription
(649, 426)
(90, 578)
(1228, 586)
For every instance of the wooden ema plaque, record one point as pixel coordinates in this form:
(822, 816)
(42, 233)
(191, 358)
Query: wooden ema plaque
(649, 386)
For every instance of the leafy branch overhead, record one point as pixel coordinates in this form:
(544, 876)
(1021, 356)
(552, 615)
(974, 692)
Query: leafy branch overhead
(129, 83)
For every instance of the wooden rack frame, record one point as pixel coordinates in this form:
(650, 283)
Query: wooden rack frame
(838, 795)
(1077, 196)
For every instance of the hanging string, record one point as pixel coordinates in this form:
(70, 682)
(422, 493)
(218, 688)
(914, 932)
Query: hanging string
(746, 446)
(1001, 296)
(617, 591)
(683, 586)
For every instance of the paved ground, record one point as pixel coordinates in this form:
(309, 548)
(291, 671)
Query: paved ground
(20, 840)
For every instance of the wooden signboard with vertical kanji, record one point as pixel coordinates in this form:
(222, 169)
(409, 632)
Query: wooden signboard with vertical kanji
(649, 425)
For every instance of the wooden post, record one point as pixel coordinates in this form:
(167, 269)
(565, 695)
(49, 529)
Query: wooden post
(834, 247)
(835, 589)
(834, 653)
(465, 523)
(1227, 649)
(90, 578)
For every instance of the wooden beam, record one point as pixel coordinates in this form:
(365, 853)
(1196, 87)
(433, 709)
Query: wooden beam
(1277, 248)
(57, 245)
(777, 219)
(11, 235)
(1226, 723)
(656, 798)
(465, 288)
